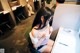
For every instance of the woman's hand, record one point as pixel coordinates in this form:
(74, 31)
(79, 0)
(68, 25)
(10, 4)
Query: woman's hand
(50, 30)
(43, 36)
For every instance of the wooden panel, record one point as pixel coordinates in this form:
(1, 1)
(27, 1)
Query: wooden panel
(14, 3)
(1, 8)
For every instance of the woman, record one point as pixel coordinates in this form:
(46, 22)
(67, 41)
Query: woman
(41, 32)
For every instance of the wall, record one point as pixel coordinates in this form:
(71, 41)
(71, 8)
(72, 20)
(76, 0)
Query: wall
(22, 2)
(70, 2)
(68, 16)
(14, 3)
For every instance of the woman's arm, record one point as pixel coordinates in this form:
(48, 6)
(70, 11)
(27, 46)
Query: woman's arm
(50, 30)
(38, 40)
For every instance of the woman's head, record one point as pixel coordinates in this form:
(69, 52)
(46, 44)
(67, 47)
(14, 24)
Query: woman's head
(41, 17)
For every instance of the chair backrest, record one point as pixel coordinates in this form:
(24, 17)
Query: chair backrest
(20, 9)
(1, 18)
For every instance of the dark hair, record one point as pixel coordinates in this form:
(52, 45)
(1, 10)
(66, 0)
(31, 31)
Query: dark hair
(60, 1)
(43, 4)
(37, 20)
(43, 0)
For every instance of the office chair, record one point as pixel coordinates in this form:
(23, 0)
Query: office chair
(20, 12)
(3, 22)
(16, 16)
(30, 46)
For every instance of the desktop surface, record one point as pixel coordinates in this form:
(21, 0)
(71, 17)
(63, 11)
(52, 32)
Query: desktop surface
(67, 41)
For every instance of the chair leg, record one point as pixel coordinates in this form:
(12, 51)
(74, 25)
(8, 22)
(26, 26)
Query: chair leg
(1, 31)
(8, 26)
(23, 16)
(18, 19)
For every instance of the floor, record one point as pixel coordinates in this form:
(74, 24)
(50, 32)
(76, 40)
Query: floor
(15, 41)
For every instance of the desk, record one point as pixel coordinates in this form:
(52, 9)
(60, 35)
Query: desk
(5, 12)
(67, 41)
(15, 7)
(0, 12)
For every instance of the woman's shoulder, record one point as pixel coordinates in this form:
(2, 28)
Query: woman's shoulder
(34, 30)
